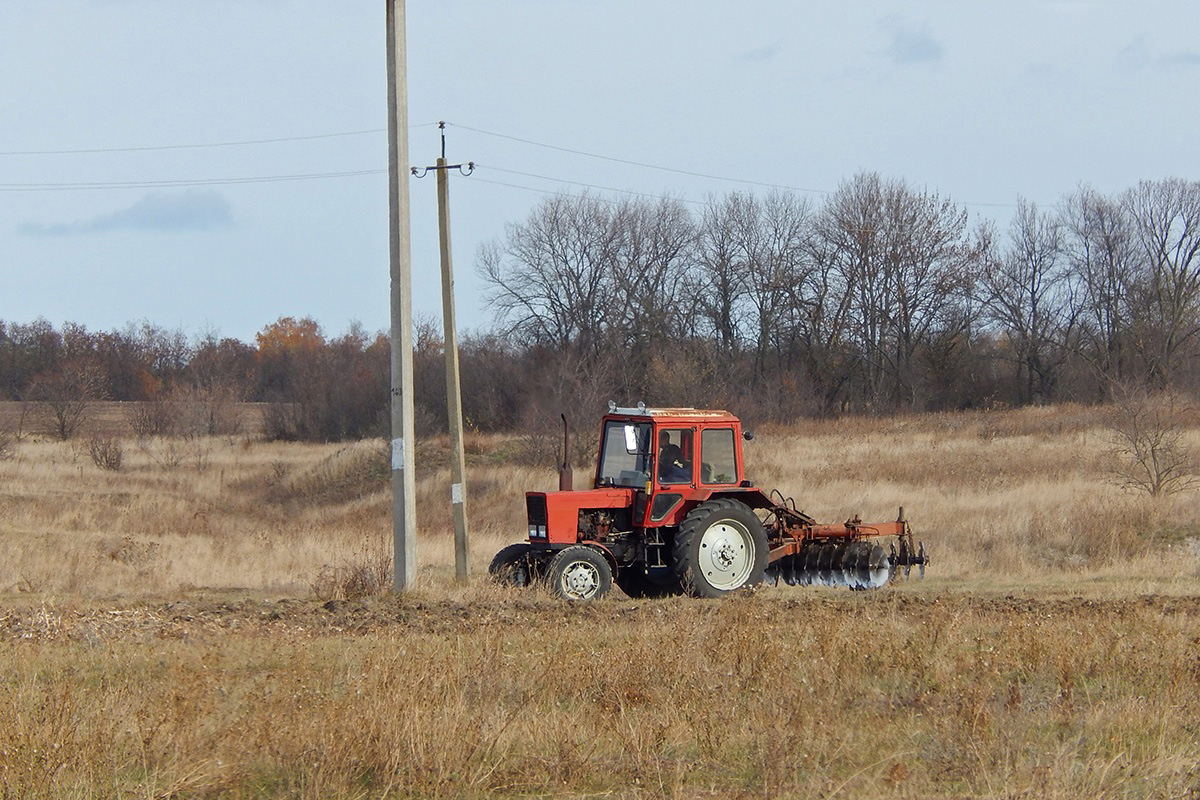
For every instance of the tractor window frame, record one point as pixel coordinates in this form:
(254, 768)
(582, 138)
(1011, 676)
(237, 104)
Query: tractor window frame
(730, 448)
(621, 463)
(678, 434)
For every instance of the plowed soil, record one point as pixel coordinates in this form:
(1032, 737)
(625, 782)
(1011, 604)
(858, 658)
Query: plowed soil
(527, 611)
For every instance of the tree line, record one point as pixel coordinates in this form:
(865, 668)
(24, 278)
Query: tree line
(878, 298)
(315, 387)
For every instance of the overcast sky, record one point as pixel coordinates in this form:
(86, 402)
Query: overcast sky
(980, 100)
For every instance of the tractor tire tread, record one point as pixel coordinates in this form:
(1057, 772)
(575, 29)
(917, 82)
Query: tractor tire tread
(695, 524)
(505, 567)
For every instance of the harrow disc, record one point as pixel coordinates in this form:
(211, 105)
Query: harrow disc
(787, 570)
(856, 565)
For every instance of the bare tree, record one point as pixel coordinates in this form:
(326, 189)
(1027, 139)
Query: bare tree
(719, 288)
(1166, 221)
(1025, 291)
(1100, 248)
(67, 397)
(822, 306)
(903, 259)
(773, 235)
(583, 280)
(27, 351)
(551, 279)
(649, 282)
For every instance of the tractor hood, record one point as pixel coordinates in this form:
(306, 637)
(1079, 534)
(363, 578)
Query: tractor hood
(554, 516)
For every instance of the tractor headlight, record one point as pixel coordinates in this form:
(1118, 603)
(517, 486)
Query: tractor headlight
(537, 531)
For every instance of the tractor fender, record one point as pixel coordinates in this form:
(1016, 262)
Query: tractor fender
(608, 555)
(750, 497)
(753, 497)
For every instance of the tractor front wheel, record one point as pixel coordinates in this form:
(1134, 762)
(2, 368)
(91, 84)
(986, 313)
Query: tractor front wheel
(720, 547)
(510, 567)
(579, 573)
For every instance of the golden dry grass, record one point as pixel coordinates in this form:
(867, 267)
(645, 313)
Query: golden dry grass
(160, 637)
(812, 695)
(1001, 499)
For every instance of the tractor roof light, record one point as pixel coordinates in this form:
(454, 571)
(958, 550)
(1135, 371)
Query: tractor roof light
(640, 410)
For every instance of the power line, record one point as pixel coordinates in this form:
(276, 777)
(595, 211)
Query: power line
(477, 179)
(645, 165)
(52, 187)
(585, 185)
(32, 187)
(147, 148)
(640, 163)
(551, 192)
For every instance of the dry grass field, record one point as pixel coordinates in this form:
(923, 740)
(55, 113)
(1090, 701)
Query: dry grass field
(166, 630)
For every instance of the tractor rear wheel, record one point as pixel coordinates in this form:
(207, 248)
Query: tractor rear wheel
(720, 547)
(510, 567)
(579, 573)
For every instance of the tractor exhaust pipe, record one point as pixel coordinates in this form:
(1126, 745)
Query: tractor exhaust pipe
(566, 476)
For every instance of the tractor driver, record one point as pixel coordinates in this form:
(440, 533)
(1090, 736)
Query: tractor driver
(672, 467)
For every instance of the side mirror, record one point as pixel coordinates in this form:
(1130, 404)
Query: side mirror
(631, 442)
(748, 435)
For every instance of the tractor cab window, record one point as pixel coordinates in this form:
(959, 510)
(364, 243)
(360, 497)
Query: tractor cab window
(718, 456)
(625, 454)
(674, 456)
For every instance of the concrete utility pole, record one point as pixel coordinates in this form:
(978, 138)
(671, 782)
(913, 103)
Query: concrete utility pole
(404, 487)
(458, 467)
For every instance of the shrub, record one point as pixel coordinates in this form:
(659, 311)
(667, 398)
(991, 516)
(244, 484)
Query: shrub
(106, 452)
(367, 575)
(153, 418)
(1148, 448)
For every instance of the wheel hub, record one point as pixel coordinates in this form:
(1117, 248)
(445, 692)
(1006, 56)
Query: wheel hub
(581, 580)
(726, 554)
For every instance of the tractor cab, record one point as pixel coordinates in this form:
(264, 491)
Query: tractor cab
(669, 449)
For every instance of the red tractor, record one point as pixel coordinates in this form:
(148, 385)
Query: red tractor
(671, 511)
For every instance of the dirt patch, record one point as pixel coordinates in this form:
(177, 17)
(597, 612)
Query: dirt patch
(188, 618)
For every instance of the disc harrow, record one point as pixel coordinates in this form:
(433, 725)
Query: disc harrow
(805, 553)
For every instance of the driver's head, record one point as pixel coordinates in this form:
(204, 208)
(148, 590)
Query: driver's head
(664, 438)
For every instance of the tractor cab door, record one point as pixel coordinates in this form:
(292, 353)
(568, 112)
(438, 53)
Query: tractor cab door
(675, 474)
(693, 462)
